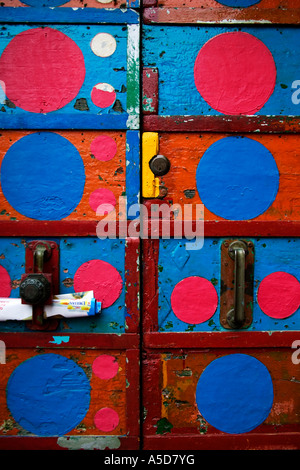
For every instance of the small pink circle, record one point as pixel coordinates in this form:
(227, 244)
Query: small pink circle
(5, 283)
(279, 295)
(100, 277)
(102, 201)
(43, 70)
(104, 148)
(235, 73)
(105, 367)
(194, 300)
(106, 419)
(103, 95)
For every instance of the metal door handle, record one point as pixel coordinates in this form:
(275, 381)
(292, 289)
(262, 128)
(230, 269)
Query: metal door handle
(238, 252)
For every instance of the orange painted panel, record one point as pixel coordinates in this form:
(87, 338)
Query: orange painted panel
(185, 151)
(95, 173)
(105, 387)
(173, 410)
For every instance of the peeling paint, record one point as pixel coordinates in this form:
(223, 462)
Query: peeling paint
(89, 442)
(60, 339)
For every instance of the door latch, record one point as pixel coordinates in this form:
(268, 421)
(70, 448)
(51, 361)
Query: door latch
(154, 166)
(237, 267)
(40, 282)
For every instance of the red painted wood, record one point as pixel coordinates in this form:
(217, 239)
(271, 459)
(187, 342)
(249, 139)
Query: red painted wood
(174, 11)
(149, 3)
(150, 285)
(222, 339)
(132, 279)
(211, 227)
(242, 228)
(63, 228)
(133, 392)
(238, 124)
(50, 443)
(76, 340)
(254, 441)
(150, 91)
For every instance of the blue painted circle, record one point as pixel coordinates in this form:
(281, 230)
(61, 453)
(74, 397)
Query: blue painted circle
(42, 176)
(48, 395)
(235, 393)
(238, 3)
(45, 3)
(237, 178)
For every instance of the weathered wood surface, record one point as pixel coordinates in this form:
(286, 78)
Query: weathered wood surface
(81, 77)
(106, 398)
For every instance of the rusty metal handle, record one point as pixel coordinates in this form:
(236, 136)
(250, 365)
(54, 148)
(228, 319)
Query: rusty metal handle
(238, 252)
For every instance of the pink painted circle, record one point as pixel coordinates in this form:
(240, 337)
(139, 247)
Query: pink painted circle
(104, 148)
(103, 95)
(102, 201)
(235, 73)
(5, 283)
(194, 300)
(43, 70)
(102, 278)
(106, 419)
(279, 295)
(105, 367)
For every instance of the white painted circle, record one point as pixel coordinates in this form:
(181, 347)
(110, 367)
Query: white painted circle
(104, 1)
(103, 45)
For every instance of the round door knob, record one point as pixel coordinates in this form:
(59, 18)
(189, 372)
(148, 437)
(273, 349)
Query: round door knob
(35, 289)
(159, 165)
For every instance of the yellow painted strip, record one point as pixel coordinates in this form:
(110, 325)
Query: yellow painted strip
(150, 147)
(164, 409)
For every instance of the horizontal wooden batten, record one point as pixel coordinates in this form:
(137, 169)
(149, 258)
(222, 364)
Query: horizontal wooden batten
(223, 339)
(52, 228)
(68, 15)
(211, 228)
(197, 15)
(52, 443)
(224, 228)
(239, 124)
(255, 441)
(74, 340)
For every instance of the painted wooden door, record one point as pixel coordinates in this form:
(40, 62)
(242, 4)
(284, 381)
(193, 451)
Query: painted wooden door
(221, 110)
(69, 156)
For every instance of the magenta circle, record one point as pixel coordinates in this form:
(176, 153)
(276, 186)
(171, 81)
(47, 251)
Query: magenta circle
(105, 367)
(103, 95)
(235, 73)
(278, 295)
(104, 148)
(106, 419)
(194, 300)
(100, 277)
(43, 70)
(102, 201)
(5, 283)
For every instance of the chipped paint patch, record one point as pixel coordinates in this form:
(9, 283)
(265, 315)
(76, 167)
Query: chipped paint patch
(89, 442)
(60, 339)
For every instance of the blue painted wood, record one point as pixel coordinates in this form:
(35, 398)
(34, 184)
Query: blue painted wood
(74, 251)
(111, 70)
(173, 50)
(132, 170)
(58, 120)
(69, 15)
(177, 263)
